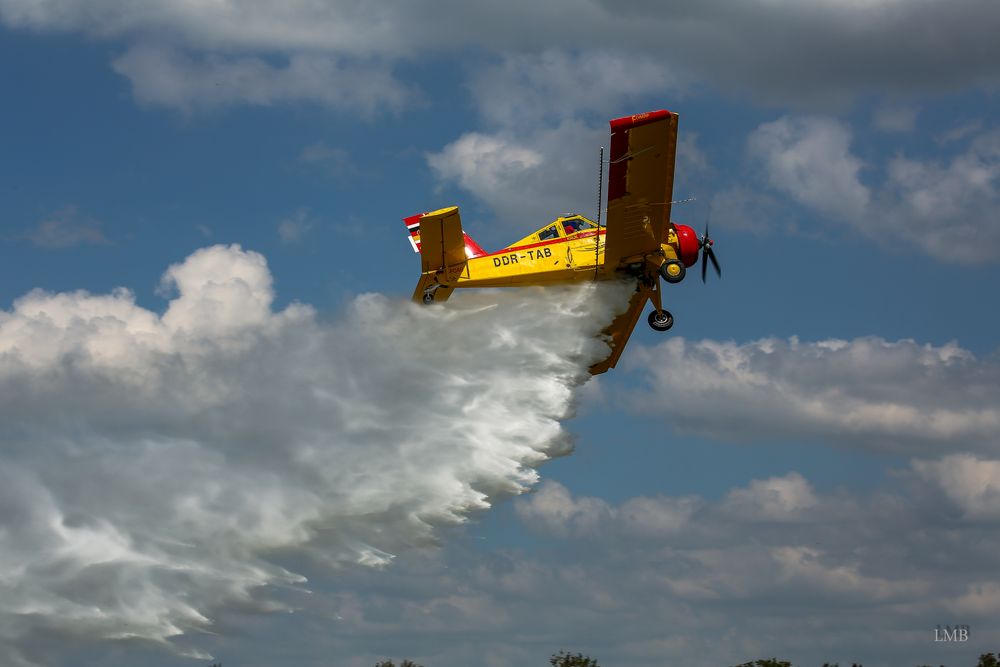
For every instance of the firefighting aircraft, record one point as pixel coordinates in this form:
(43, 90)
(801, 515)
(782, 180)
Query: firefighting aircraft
(639, 239)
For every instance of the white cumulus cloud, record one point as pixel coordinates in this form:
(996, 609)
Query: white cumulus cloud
(157, 468)
(171, 78)
(817, 568)
(897, 395)
(524, 90)
(775, 498)
(775, 50)
(945, 206)
(539, 154)
(969, 482)
(809, 159)
(526, 178)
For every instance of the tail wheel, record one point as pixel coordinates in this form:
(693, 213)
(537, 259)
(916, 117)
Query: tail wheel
(430, 291)
(673, 271)
(660, 321)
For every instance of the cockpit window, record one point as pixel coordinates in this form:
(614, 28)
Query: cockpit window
(573, 225)
(550, 232)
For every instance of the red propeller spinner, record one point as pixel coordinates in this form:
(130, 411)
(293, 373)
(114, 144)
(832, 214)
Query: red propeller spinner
(688, 245)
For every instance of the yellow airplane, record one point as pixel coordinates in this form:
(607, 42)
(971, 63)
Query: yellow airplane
(639, 239)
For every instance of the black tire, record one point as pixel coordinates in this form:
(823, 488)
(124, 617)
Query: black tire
(673, 271)
(428, 297)
(660, 324)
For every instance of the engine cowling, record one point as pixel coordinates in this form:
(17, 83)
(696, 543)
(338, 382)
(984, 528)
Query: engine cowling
(687, 245)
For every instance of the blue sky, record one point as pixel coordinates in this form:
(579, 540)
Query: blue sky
(806, 466)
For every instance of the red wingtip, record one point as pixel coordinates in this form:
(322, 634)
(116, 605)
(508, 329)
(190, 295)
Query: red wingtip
(626, 122)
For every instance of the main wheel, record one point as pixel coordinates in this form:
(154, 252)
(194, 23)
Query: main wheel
(673, 271)
(428, 297)
(660, 323)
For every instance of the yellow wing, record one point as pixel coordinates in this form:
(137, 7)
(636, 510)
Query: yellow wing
(620, 330)
(640, 184)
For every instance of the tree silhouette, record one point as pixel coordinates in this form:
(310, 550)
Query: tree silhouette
(563, 659)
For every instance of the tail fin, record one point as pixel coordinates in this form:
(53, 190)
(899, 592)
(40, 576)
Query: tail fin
(472, 249)
(442, 242)
(444, 252)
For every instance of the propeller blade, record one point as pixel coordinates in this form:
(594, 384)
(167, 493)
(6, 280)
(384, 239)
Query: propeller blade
(706, 243)
(715, 262)
(706, 249)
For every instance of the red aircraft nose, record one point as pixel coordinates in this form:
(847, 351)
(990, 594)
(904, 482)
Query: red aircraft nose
(687, 245)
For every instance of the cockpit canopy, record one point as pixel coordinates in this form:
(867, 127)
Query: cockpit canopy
(561, 227)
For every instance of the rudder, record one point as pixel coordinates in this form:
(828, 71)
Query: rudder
(442, 245)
